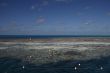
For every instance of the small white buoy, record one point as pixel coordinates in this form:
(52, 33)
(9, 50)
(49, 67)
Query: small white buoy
(101, 68)
(30, 56)
(49, 50)
(79, 64)
(29, 38)
(75, 68)
(23, 67)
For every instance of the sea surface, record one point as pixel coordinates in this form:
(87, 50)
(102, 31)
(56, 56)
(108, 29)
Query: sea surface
(49, 36)
(13, 65)
(10, 65)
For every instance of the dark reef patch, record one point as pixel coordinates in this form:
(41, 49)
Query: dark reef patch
(72, 53)
(11, 65)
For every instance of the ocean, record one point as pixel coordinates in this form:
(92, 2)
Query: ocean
(9, 65)
(49, 36)
(10, 62)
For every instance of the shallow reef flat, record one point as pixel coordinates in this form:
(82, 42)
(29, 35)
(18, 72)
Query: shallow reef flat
(60, 55)
(54, 50)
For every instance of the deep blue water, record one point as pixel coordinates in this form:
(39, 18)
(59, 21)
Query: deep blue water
(10, 65)
(49, 36)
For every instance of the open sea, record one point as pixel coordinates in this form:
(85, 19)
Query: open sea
(11, 65)
(49, 36)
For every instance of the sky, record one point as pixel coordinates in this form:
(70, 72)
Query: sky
(54, 17)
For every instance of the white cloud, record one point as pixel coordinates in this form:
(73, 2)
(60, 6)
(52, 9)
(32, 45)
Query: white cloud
(63, 0)
(39, 6)
(108, 14)
(87, 7)
(60, 0)
(32, 7)
(40, 20)
(44, 3)
(86, 23)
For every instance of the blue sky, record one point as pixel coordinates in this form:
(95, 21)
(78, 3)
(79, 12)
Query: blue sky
(54, 17)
